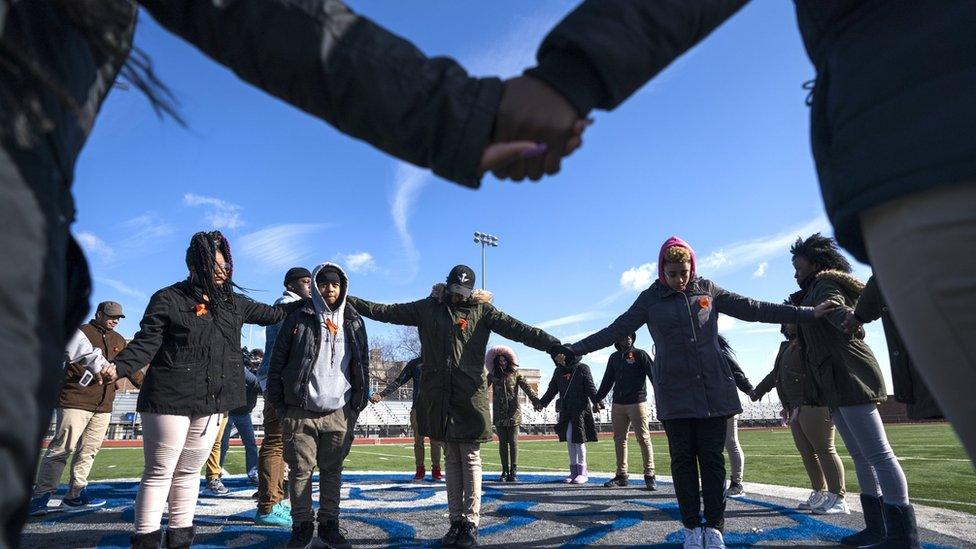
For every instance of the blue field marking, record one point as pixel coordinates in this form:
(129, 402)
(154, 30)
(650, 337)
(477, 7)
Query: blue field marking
(589, 536)
(517, 514)
(398, 533)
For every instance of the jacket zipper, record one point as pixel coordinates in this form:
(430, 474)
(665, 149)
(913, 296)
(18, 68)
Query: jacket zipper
(694, 339)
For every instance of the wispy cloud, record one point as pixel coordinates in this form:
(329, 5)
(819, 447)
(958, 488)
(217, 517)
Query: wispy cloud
(143, 230)
(220, 213)
(571, 319)
(281, 246)
(738, 255)
(408, 182)
(760, 271)
(94, 245)
(360, 262)
(121, 288)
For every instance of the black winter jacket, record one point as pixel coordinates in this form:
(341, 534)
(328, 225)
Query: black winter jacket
(625, 374)
(692, 377)
(909, 387)
(297, 348)
(574, 386)
(892, 110)
(195, 360)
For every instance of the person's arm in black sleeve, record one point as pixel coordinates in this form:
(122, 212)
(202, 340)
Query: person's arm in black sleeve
(275, 392)
(406, 374)
(344, 69)
(609, 376)
(869, 305)
(741, 381)
(143, 347)
(769, 382)
(750, 310)
(551, 392)
(625, 325)
(589, 389)
(604, 50)
(264, 315)
(251, 380)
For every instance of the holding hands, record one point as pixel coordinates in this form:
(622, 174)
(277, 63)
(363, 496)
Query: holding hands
(375, 397)
(851, 324)
(108, 374)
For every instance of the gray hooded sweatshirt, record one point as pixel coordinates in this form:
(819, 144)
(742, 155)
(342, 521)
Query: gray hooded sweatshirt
(330, 386)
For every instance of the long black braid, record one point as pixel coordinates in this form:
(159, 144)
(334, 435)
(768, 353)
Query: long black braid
(726, 348)
(107, 26)
(200, 260)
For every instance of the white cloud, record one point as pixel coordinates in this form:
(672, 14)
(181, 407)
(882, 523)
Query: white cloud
(361, 262)
(94, 245)
(639, 278)
(280, 246)
(409, 181)
(750, 252)
(571, 319)
(726, 323)
(760, 271)
(121, 288)
(220, 213)
(143, 231)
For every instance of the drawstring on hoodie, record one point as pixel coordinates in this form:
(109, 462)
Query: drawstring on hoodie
(810, 86)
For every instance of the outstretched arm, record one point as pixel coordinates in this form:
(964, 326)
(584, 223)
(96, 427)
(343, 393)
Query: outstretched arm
(750, 310)
(141, 350)
(533, 397)
(626, 324)
(551, 392)
(344, 69)
(516, 330)
(406, 314)
(609, 375)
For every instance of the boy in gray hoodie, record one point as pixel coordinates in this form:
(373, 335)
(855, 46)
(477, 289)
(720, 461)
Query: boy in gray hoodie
(317, 383)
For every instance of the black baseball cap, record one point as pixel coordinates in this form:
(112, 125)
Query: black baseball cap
(460, 281)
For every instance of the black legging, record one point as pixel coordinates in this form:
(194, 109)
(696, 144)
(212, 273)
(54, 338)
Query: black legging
(697, 445)
(508, 447)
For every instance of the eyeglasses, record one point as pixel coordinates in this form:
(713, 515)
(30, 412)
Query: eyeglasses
(225, 267)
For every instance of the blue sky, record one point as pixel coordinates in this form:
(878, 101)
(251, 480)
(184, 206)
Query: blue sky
(714, 150)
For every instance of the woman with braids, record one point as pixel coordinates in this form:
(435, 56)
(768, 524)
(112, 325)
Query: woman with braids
(693, 382)
(847, 379)
(58, 61)
(190, 337)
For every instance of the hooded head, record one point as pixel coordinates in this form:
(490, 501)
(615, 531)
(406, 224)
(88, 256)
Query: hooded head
(493, 360)
(620, 345)
(664, 255)
(329, 281)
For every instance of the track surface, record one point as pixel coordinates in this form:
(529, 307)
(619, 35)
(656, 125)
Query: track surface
(384, 509)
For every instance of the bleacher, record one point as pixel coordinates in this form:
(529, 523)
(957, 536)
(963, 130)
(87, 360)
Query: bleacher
(391, 418)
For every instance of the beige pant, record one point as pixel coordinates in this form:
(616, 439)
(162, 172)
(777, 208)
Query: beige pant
(78, 435)
(463, 464)
(418, 445)
(813, 434)
(737, 458)
(213, 460)
(623, 416)
(175, 448)
(314, 439)
(923, 249)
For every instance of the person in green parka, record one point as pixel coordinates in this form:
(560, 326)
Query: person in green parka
(847, 379)
(501, 362)
(455, 322)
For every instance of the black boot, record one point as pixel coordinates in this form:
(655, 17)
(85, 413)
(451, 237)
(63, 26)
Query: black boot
(618, 480)
(650, 482)
(874, 524)
(450, 539)
(179, 538)
(468, 536)
(504, 476)
(147, 541)
(333, 535)
(301, 534)
(901, 532)
(512, 477)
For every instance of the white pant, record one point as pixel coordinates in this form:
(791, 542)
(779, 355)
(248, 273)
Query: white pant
(175, 449)
(577, 451)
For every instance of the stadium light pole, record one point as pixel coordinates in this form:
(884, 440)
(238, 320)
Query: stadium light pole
(484, 239)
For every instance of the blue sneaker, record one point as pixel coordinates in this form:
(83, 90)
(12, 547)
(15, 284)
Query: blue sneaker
(38, 505)
(279, 517)
(83, 501)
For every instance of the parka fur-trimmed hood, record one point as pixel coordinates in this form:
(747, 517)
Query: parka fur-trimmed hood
(848, 282)
(477, 297)
(500, 350)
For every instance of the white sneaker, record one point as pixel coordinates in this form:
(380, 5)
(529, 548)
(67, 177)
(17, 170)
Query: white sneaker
(832, 505)
(713, 539)
(694, 538)
(815, 499)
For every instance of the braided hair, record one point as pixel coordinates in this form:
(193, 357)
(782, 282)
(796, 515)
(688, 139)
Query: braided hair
(107, 26)
(726, 348)
(200, 260)
(821, 250)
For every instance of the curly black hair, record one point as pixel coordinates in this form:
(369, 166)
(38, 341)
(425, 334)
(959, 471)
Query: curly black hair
(821, 250)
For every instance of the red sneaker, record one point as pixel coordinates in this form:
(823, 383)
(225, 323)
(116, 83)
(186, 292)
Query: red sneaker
(436, 475)
(420, 474)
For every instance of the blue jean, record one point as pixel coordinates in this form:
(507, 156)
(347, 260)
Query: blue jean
(246, 430)
(877, 468)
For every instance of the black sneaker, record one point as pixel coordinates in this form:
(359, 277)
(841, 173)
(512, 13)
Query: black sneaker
(451, 538)
(503, 477)
(735, 490)
(333, 535)
(511, 478)
(650, 482)
(468, 536)
(619, 480)
(301, 534)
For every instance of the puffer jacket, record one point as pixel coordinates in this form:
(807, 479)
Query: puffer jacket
(892, 111)
(506, 411)
(843, 370)
(196, 367)
(453, 406)
(691, 376)
(909, 387)
(573, 383)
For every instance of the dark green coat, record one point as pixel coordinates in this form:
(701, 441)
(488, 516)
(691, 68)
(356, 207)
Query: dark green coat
(843, 370)
(505, 408)
(453, 406)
